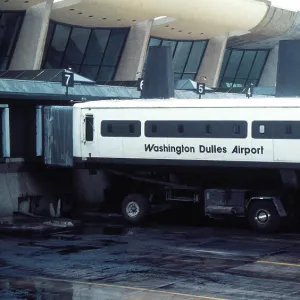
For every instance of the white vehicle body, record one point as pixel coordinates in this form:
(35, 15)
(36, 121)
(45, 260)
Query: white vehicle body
(179, 148)
(272, 144)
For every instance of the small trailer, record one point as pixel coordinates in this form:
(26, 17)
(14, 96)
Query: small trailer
(237, 157)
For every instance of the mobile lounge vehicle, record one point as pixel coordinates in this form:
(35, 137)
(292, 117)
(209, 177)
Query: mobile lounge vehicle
(234, 156)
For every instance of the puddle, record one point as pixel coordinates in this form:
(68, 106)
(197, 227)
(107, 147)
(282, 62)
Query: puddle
(107, 230)
(70, 249)
(31, 289)
(3, 263)
(76, 249)
(66, 237)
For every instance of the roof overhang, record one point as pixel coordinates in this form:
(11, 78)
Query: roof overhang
(191, 19)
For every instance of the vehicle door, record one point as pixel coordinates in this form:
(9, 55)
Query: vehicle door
(88, 134)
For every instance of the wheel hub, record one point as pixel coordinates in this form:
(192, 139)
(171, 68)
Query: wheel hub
(132, 209)
(262, 216)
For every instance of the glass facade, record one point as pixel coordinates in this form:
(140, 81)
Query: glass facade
(91, 52)
(10, 26)
(187, 56)
(242, 67)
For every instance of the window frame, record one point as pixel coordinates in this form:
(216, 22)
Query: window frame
(275, 130)
(231, 81)
(88, 116)
(195, 129)
(124, 125)
(98, 76)
(180, 75)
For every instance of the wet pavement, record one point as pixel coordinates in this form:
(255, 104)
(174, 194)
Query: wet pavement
(154, 262)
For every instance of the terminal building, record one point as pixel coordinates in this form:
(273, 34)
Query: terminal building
(226, 44)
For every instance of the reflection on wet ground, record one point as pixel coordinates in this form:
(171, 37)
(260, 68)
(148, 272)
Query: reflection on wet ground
(157, 262)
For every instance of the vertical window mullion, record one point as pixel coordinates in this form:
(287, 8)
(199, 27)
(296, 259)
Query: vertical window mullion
(85, 50)
(64, 55)
(224, 71)
(237, 70)
(104, 52)
(50, 43)
(186, 62)
(258, 80)
(252, 66)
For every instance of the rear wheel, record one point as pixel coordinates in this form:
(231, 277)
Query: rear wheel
(135, 208)
(263, 216)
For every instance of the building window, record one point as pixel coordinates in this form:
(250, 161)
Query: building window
(242, 67)
(91, 52)
(89, 128)
(187, 56)
(10, 26)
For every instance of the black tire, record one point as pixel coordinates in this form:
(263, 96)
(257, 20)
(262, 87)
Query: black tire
(135, 202)
(269, 220)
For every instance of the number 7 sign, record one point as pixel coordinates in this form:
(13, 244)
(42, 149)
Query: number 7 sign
(67, 79)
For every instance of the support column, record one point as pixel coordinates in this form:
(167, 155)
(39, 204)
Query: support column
(212, 61)
(269, 74)
(30, 46)
(133, 57)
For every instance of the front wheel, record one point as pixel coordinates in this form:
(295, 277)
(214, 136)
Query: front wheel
(263, 216)
(135, 208)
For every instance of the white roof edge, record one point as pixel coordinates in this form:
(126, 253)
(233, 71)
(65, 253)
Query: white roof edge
(186, 103)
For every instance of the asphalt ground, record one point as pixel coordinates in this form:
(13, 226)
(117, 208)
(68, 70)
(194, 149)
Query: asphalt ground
(161, 260)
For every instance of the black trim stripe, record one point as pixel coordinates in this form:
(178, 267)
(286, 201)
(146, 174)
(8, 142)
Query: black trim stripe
(230, 129)
(115, 128)
(188, 163)
(282, 130)
(197, 129)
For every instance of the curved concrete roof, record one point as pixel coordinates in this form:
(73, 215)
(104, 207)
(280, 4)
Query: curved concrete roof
(193, 19)
(276, 25)
(18, 4)
(289, 31)
(248, 23)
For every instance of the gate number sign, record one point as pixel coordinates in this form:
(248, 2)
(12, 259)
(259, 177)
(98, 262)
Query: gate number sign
(249, 92)
(201, 88)
(68, 79)
(140, 84)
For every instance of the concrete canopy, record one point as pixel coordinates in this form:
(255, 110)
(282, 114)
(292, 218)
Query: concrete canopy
(193, 19)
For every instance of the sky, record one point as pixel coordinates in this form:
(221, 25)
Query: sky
(293, 5)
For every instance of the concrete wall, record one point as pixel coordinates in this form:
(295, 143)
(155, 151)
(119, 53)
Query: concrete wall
(89, 189)
(212, 61)
(133, 57)
(35, 183)
(30, 45)
(276, 24)
(15, 183)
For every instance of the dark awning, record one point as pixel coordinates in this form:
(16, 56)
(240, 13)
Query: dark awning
(45, 85)
(48, 75)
